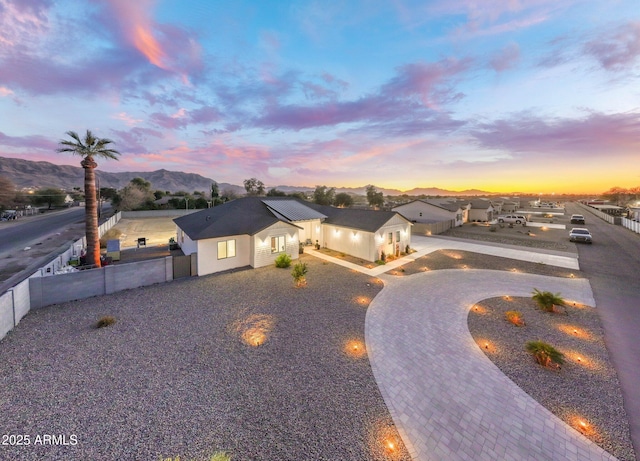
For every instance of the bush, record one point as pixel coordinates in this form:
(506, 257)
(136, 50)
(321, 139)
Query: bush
(514, 317)
(105, 321)
(545, 354)
(547, 300)
(298, 273)
(283, 261)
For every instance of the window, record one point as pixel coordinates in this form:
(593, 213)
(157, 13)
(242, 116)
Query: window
(390, 237)
(226, 249)
(278, 244)
(397, 236)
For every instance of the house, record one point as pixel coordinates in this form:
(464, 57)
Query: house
(254, 231)
(429, 211)
(481, 210)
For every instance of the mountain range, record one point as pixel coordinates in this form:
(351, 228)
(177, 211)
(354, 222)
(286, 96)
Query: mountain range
(30, 174)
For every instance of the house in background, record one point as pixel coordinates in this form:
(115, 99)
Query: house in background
(254, 231)
(481, 210)
(428, 211)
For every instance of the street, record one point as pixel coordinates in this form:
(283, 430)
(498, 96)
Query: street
(612, 265)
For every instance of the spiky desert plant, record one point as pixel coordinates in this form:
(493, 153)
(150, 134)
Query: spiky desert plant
(547, 300)
(298, 273)
(544, 353)
(514, 317)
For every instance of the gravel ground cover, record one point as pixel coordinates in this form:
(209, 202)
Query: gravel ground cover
(180, 372)
(586, 388)
(551, 239)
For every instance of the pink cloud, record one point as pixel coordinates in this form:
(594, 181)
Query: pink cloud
(505, 58)
(618, 49)
(28, 142)
(165, 46)
(410, 97)
(22, 18)
(593, 136)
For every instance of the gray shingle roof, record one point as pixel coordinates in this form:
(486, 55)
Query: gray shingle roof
(246, 215)
(250, 215)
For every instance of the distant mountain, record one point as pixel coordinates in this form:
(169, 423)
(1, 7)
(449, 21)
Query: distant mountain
(26, 173)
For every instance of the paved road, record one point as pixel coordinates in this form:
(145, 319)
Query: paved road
(22, 232)
(616, 288)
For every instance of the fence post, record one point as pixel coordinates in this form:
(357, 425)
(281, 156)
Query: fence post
(13, 306)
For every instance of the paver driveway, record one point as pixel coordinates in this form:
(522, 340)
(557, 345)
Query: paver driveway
(448, 400)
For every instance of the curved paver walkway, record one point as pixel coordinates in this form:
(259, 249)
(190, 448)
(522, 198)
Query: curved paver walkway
(448, 400)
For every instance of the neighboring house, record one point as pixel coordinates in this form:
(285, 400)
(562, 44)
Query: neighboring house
(510, 206)
(254, 231)
(481, 211)
(634, 213)
(434, 210)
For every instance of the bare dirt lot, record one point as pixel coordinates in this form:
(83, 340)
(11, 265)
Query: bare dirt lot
(540, 233)
(157, 231)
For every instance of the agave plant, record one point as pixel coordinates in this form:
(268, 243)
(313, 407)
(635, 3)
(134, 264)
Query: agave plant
(547, 300)
(545, 354)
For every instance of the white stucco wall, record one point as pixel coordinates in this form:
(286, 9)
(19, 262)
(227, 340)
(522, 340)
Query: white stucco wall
(367, 245)
(187, 245)
(477, 214)
(310, 230)
(261, 244)
(424, 212)
(208, 262)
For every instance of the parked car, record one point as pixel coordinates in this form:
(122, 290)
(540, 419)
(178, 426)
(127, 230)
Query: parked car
(513, 218)
(580, 234)
(577, 219)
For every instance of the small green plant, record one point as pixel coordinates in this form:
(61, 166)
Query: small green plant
(514, 317)
(546, 300)
(105, 321)
(298, 273)
(283, 261)
(545, 354)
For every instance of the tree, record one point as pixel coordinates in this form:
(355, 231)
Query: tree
(617, 195)
(135, 195)
(343, 200)
(298, 195)
(275, 193)
(215, 195)
(254, 186)
(49, 196)
(7, 192)
(375, 198)
(89, 148)
(323, 195)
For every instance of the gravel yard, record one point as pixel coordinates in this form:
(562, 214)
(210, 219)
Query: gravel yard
(586, 388)
(174, 376)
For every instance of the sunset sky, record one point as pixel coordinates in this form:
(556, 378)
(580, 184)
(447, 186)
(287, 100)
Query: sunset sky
(535, 96)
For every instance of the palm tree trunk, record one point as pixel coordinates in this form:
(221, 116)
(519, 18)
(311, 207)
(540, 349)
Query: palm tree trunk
(91, 211)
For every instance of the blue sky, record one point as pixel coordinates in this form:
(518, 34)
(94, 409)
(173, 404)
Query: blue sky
(533, 95)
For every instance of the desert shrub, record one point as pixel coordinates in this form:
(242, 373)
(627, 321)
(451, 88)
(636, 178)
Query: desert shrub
(111, 234)
(105, 321)
(514, 317)
(547, 300)
(283, 261)
(298, 273)
(545, 354)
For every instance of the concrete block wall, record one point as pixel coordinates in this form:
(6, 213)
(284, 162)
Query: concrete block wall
(157, 213)
(45, 291)
(14, 304)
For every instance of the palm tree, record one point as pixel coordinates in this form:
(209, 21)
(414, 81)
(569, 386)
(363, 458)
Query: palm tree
(88, 148)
